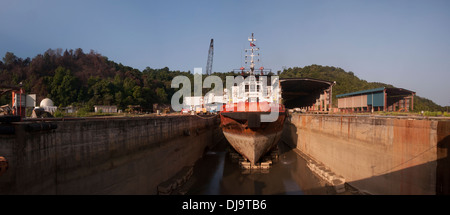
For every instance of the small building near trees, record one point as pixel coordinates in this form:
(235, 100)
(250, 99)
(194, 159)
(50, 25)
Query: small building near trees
(105, 108)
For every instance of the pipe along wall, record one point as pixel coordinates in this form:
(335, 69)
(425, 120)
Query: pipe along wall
(377, 155)
(102, 155)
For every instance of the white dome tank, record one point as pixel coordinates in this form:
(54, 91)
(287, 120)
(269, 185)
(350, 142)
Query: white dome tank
(46, 103)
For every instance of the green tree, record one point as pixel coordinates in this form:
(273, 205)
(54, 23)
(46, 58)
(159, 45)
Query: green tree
(100, 91)
(9, 59)
(161, 95)
(64, 87)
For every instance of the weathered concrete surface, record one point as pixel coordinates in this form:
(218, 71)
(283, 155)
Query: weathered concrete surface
(103, 156)
(378, 155)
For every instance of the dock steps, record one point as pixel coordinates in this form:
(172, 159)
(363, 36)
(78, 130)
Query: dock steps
(175, 182)
(337, 181)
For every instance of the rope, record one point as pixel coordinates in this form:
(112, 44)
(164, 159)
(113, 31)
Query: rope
(210, 117)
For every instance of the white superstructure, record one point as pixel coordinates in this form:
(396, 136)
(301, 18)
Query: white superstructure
(256, 85)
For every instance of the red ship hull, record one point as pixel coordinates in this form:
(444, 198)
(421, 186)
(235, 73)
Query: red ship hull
(245, 131)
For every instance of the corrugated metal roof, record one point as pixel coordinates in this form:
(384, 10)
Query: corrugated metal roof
(360, 92)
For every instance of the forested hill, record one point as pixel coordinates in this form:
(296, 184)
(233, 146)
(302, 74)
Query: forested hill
(347, 82)
(72, 77)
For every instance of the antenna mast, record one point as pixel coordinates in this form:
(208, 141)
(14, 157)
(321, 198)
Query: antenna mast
(252, 50)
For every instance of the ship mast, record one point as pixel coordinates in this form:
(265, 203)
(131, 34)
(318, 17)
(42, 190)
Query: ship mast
(252, 50)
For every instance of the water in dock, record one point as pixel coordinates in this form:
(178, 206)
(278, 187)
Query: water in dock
(216, 173)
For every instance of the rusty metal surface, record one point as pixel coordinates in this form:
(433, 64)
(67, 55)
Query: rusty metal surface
(249, 140)
(3, 165)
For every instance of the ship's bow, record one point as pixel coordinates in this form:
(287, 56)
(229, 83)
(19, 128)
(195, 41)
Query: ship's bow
(250, 136)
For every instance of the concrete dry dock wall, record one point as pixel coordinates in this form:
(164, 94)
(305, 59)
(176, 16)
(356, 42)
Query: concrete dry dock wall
(378, 155)
(102, 156)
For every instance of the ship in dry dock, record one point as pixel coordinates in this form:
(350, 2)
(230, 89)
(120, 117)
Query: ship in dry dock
(252, 118)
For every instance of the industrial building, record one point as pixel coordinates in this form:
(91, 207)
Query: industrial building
(307, 94)
(378, 99)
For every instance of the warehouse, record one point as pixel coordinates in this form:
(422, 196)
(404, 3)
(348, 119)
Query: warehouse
(308, 94)
(379, 99)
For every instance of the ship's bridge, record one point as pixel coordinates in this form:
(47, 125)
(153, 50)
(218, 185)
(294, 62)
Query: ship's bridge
(307, 93)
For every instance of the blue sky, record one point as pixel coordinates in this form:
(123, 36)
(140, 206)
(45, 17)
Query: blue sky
(404, 43)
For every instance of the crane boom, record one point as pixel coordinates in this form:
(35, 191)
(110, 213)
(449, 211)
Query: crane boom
(210, 58)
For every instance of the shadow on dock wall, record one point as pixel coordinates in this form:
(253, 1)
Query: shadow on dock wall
(402, 182)
(443, 163)
(428, 175)
(409, 180)
(103, 155)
